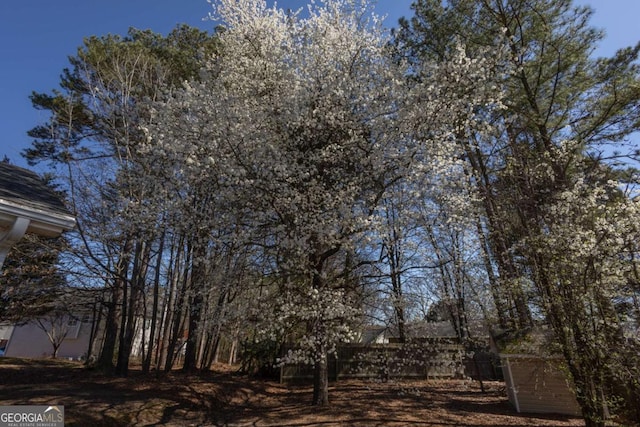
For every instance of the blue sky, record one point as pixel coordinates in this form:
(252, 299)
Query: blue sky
(37, 36)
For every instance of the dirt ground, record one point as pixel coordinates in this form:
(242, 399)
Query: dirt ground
(223, 398)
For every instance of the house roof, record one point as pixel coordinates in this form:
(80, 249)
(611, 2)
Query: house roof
(421, 329)
(22, 186)
(23, 194)
(28, 205)
(440, 329)
(370, 333)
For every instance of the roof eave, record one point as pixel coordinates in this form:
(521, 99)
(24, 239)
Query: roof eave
(42, 222)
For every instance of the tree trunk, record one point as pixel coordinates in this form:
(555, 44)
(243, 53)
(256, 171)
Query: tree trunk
(215, 329)
(123, 328)
(494, 288)
(122, 364)
(105, 361)
(177, 326)
(171, 310)
(198, 286)
(96, 318)
(398, 299)
(191, 350)
(321, 379)
(234, 349)
(146, 364)
(589, 397)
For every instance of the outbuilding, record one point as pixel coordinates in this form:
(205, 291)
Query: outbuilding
(537, 384)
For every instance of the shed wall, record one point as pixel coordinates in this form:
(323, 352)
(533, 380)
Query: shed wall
(538, 385)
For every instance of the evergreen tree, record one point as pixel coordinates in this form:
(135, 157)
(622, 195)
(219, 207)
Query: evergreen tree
(92, 139)
(565, 111)
(31, 281)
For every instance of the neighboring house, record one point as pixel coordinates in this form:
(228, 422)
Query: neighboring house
(28, 205)
(30, 339)
(375, 334)
(479, 362)
(380, 334)
(76, 327)
(432, 351)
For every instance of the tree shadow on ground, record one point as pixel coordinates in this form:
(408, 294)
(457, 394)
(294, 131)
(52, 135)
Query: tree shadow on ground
(222, 398)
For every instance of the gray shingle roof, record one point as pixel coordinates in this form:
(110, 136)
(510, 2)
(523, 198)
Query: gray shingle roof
(24, 187)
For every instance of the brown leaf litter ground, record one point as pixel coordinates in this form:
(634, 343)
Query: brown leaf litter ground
(223, 398)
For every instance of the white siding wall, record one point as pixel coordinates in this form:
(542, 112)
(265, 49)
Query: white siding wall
(31, 341)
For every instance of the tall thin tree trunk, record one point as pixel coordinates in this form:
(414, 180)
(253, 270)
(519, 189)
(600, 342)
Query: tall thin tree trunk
(123, 327)
(96, 318)
(193, 337)
(112, 322)
(105, 361)
(177, 325)
(168, 305)
(494, 288)
(122, 331)
(196, 304)
(138, 275)
(215, 329)
(146, 364)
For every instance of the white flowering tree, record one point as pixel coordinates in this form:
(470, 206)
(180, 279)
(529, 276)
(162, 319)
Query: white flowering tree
(301, 125)
(527, 172)
(586, 279)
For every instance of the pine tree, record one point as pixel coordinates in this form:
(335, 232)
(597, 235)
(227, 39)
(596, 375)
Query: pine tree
(564, 112)
(31, 282)
(91, 140)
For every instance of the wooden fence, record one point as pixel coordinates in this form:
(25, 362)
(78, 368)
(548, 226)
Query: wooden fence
(428, 358)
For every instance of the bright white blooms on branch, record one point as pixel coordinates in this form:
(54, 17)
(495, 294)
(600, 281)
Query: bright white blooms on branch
(301, 125)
